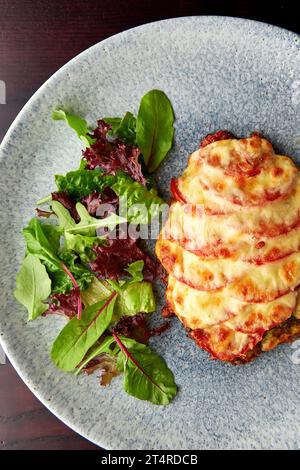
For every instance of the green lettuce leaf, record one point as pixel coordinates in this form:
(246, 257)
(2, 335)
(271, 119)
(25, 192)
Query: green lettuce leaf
(135, 270)
(135, 296)
(33, 286)
(81, 182)
(142, 203)
(97, 290)
(82, 245)
(114, 122)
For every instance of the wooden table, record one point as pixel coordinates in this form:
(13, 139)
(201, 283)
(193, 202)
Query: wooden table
(37, 38)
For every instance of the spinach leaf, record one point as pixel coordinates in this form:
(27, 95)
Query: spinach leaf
(154, 128)
(78, 124)
(78, 336)
(146, 375)
(53, 234)
(33, 286)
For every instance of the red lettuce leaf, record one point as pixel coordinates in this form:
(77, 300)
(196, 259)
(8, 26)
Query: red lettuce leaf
(112, 259)
(107, 366)
(67, 202)
(64, 304)
(137, 328)
(42, 213)
(112, 155)
(94, 200)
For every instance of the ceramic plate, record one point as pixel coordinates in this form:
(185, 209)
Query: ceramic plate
(219, 73)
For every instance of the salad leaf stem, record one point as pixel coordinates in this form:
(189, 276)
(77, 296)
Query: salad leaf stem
(44, 200)
(79, 302)
(130, 357)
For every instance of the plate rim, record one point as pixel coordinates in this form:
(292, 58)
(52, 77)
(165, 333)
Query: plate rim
(22, 113)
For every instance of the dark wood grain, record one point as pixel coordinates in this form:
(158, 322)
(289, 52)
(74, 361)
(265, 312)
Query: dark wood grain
(26, 424)
(36, 39)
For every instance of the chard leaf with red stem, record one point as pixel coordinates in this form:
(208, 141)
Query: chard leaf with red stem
(78, 336)
(146, 375)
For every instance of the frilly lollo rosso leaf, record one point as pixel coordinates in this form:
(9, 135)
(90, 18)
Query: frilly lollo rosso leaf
(106, 365)
(112, 156)
(63, 304)
(137, 328)
(112, 259)
(93, 201)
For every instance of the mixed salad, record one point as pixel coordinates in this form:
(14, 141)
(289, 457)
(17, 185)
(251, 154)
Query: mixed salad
(82, 263)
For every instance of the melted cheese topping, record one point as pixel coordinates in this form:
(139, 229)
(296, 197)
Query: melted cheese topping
(199, 309)
(272, 175)
(231, 245)
(242, 280)
(211, 237)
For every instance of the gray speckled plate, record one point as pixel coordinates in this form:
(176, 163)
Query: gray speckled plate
(219, 73)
